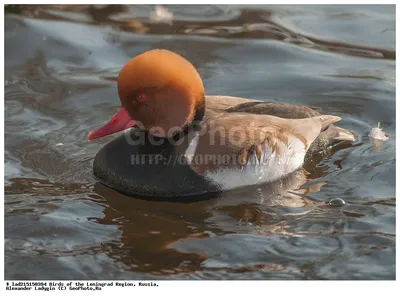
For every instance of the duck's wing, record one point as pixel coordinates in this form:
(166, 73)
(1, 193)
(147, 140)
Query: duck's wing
(236, 141)
(330, 136)
(222, 103)
(253, 106)
(282, 110)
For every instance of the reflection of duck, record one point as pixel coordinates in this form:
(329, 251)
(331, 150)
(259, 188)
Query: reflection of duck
(146, 231)
(192, 143)
(152, 234)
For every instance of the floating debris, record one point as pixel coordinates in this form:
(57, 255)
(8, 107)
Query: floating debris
(378, 134)
(58, 144)
(337, 202)
(161, 15)
(378, 137)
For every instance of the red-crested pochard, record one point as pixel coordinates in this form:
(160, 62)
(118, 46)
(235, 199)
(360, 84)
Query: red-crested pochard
(187, 143)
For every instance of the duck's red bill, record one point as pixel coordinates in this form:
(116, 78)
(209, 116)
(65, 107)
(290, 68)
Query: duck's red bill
(119, 121)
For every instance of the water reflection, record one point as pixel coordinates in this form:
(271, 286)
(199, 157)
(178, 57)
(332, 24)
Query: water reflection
(248, 23)
(150, 230)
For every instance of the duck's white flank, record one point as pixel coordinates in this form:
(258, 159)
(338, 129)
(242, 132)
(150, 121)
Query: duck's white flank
(272, 166)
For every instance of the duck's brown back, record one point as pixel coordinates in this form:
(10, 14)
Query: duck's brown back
(330, 136)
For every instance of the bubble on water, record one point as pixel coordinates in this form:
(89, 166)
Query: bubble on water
(337, 202)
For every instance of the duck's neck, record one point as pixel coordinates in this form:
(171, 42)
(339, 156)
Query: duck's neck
(193, 125)
(200, 110)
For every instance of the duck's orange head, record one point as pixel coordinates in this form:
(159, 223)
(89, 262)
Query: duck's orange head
(160, 92)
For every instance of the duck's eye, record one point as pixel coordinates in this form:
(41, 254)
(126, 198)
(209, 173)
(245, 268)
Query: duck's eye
(141, 97)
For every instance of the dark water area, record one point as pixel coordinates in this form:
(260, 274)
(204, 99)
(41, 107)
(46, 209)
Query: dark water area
(61, 65)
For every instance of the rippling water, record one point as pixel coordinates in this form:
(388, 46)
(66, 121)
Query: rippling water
(61, 66)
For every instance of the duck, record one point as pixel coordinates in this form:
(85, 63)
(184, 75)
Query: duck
(179, 142)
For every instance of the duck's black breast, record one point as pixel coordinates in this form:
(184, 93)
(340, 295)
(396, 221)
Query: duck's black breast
(139, 165)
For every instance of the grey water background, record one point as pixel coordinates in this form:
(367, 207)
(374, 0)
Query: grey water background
(61, 64)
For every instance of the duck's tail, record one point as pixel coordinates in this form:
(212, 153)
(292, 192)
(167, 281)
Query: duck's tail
(339, 134)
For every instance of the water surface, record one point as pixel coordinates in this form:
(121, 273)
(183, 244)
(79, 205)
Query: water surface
(61, 64)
